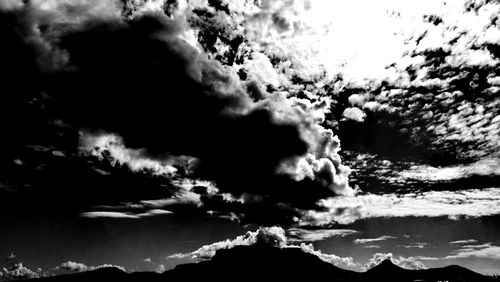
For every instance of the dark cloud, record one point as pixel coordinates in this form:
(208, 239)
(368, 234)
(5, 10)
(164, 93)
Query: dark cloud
(136, 78)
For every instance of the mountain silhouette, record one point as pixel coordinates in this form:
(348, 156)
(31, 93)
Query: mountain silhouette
(388, 271)
(264, 262)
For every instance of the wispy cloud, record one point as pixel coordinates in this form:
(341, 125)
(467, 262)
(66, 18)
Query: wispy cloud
(370, 240)
(306, 235)
(482, 251)
(417, 245)
(487, 251)
(484, 167)
(468, 241)
(372, 246)
(453, 204)
(116, 214)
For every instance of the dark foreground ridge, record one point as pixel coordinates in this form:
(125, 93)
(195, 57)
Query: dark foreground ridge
(244, 263)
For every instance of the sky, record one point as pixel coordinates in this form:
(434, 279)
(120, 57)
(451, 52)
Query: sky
(147, 133)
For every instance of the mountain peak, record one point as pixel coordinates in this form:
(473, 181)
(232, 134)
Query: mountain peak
(387, 263)
(386, 266)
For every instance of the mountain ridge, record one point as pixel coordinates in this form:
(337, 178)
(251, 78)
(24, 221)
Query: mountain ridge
(266, 262)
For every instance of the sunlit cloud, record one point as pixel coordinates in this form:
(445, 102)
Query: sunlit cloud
(468, 241)
(452, 204)
(371, 240)
(486, 251)
(306, 235)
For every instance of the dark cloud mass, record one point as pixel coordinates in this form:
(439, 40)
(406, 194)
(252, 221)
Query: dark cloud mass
(203, 93)
(134, 76)
(135, 79)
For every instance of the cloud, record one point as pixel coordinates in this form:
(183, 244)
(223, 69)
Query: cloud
(483, 167)
(305, 235)
(371, 240)
(273, 147)
(18, 271)
(268, 235)
(418, 245)
(239, 96)
(160, 268)
(9, 5)
(274, 236)
(453, 204)
(486, 251)
(481, 251)
(371, 246)
(404, 262)
(354, 114)
(112, 146)
(467, 241)
(80, 267)
(114, 214)
(344, 262)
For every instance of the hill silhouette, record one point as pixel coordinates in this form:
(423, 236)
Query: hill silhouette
(265, 262)
(388, 271)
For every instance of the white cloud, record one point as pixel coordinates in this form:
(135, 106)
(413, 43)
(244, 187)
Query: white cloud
(81, 267)
(371, 246)
(304, 235)
(404, 262)
(115, 214)
(468, 241)
(486, 251)
(9, 5)
(371, 240)
(18, 271)
(344, 262)
(454, 204)
(481, 251)
(354, 114)
(77, 11)
(484, 167)
(160, 269)
(99, 145)
(274, 236)
(417, 245)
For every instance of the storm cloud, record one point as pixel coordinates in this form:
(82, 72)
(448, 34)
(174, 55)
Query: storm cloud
(138, 78)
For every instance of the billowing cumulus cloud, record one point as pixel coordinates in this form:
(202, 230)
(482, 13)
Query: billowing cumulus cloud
(266, 235)
(354, 114)
(18, 271)
(404, 262)
(146, 95)
(101, 145)
(273, 236)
